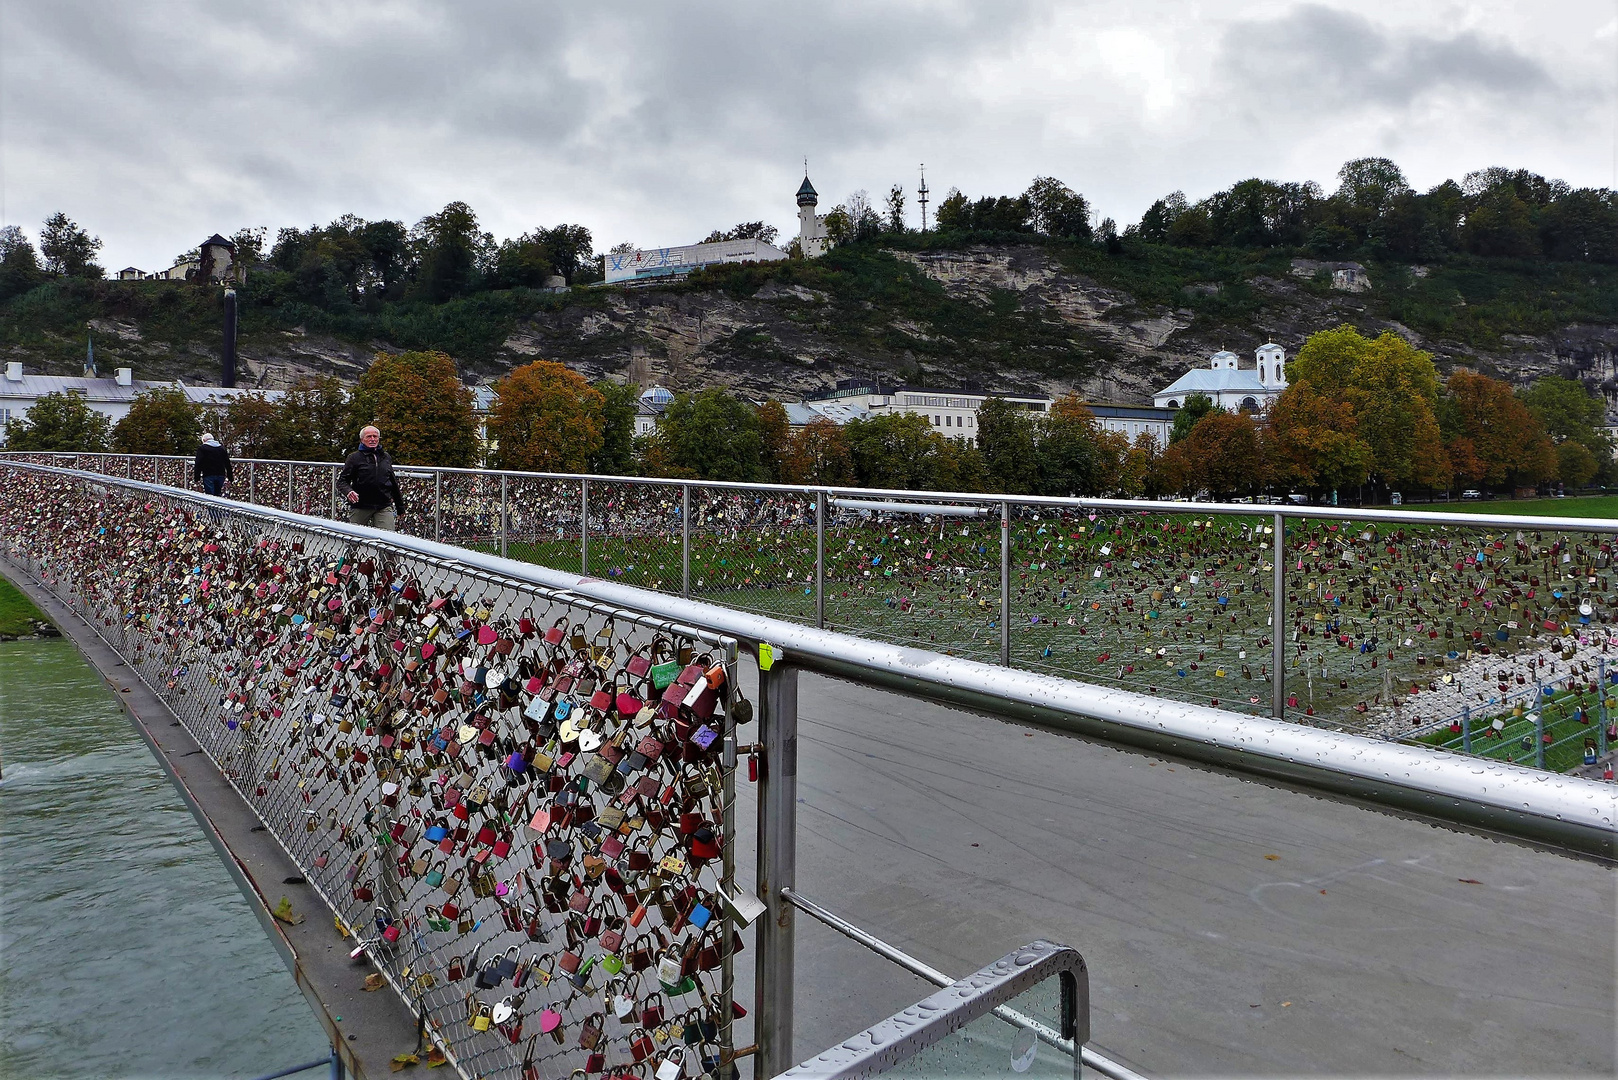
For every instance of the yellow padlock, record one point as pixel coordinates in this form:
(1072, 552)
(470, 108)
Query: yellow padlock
(484, 1019)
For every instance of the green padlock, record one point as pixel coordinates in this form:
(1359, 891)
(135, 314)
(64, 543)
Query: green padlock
(611, 964)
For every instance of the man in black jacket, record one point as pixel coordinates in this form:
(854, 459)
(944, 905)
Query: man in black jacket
(212, 467)
(368, 483)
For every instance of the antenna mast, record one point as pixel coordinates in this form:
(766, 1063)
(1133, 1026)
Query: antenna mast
(921, 197)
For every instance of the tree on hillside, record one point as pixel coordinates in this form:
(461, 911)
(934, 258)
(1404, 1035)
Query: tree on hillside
(713, 435)
(68, 249)
(1056, 209)
(893, 216)
(1197, 405)
(521, 263)
(425, 414)
(570, 249)
(547, 419)
(59, 422)
(19, 265)
(746, 230)
(817, 454)
(161, 420)
(452, 253)
(898, 450)
(620, 402)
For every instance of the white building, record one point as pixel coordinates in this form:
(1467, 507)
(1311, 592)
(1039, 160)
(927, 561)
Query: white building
(110, 397)
(656, 264)
(653, 400)
(953, 412)
(1229, 384)
(811, 226)
(1133, 421)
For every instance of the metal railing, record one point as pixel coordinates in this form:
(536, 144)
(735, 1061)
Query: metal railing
(1565, 813)
(1175, 600)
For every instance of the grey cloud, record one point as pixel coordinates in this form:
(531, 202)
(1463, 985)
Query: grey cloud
(1314, 55)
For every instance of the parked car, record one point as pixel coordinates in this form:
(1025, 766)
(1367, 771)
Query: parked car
(1471, 493)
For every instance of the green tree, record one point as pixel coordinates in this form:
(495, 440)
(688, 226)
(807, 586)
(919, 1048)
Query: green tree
(452, 253)
(1568, 411)
(68, 249)
(894, 215)
(570, 249)
(1074, 456)
(1197, 405)
(59, 422)
(417, 400)
(312, 422)
(1312, 441)
(547, 419)
(897, 450)
(19, 265)
(521, 263)
(1008, 442)
(1057, 210)
(714, 435)
(620, 402)
(160, 421)
(952, 213)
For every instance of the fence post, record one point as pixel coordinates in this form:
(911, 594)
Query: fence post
(1539, 734)
(584, 526)
(820, 559)
(438, 504)
(334, 471)
(1601, 676)
(290, 508)
(685, 539)
(129, 466)
(1278, 612)
(502, 515)
(777, 861)
(1005, 584)
(1466, 729)
(252, 477)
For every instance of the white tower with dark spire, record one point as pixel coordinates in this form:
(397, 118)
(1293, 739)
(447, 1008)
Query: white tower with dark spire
(811, 226)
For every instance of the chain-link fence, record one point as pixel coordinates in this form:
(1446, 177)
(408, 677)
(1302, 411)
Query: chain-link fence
(518, 802)
(1384, 624)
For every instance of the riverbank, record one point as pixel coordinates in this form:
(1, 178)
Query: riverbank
(17, 612)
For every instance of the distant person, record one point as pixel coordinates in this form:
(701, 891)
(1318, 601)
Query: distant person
(213, 466)
(368, 483)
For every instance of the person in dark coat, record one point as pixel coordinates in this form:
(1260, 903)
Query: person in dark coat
(368, 483)
(212, 467)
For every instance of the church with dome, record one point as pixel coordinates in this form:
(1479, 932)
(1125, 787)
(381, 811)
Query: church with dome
(1228, 383)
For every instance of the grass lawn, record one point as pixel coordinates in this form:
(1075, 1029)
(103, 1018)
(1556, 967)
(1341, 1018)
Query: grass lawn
(1578, 506)
(15, 610)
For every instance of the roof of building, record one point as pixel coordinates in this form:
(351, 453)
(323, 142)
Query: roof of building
(1207, 381)
(219, 241)
(109, 391)
(484, 397)
(1130, 412)
(800, 413)
(806, 188)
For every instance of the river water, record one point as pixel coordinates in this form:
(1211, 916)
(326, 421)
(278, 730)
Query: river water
(126, 949)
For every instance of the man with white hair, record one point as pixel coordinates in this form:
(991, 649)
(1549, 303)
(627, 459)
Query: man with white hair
(212, 467)
(368, 483)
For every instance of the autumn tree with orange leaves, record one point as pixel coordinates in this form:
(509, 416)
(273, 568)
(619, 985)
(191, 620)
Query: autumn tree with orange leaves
(547, 419)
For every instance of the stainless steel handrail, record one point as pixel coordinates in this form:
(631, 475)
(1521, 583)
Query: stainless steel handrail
(1092, 1058)
(1074, 502)
(1561, 812)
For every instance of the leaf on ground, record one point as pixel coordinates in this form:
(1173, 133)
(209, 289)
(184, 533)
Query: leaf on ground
(1272, 858)
(1469, 881)
(373, 981)
(403, 1061)
(284, 912)
(435, 1058)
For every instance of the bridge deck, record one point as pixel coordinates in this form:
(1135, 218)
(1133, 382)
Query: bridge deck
(1364, 947)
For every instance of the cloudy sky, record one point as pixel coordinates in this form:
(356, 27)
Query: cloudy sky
(653, 121)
